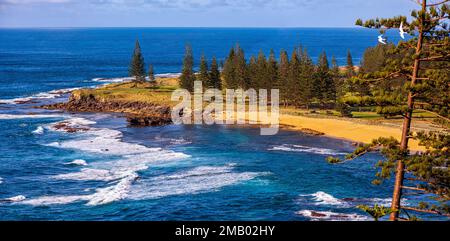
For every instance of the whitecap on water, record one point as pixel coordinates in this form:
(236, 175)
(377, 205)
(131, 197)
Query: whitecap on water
(43, 95)
(78, 162)
(100, 196)
(197, 180)
(331, 216)
(121, 172)
(323, 198)
(18, 198)
(39, 130)
(308, 149)
(112, 80)
(168, 75)
(180, 141)
(127, 185)
(31, 116)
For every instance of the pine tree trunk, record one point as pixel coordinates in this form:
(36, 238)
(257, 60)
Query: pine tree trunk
(396, 197)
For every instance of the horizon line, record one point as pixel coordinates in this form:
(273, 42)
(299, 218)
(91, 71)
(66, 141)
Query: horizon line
(218, 27)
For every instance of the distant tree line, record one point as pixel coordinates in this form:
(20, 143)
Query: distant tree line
(208, 74)
(301, 82)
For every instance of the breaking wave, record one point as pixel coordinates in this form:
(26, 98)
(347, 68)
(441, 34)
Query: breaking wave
(77, 162)
(307, 149)
(30, 116)
(323, 198)
(39, 130)
(121, 171)
(331, 216)
(197, 180)
(18, 198)
(40, 96)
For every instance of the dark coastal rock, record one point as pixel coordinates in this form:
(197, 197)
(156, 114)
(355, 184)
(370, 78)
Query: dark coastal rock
(311, 132)
(317, 214)
(137, 113)
(142, 120)
(21, 102)
(67, 128)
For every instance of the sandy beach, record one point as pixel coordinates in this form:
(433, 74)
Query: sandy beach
(353, 130)
(345, 129)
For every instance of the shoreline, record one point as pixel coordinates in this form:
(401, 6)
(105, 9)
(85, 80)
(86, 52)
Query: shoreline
(355, 131)
(345, 129)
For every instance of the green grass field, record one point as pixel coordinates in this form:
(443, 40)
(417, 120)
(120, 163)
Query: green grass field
(130, 92)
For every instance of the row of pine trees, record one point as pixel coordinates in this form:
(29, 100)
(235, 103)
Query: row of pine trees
(300, 81)
(209, 75)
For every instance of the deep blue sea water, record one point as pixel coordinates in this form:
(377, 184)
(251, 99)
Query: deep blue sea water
(114, 172)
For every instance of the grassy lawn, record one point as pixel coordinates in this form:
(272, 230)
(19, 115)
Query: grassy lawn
(160, 93)
(366, 115)
(131, 92)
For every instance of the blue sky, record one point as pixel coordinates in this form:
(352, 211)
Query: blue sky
(195, 13)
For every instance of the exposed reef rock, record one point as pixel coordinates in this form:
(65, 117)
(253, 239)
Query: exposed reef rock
(137, 113)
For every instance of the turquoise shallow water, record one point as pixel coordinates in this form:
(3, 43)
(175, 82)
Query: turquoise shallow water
(113, 172)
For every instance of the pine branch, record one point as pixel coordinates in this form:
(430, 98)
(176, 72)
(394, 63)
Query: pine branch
(435, 58)
(440, 116)
(415, 189)
(436, 4)
(426, 211)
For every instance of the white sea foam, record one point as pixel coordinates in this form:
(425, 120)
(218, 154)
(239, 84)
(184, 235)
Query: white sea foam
(125, 79)
(168, 75)
(37, 116)
(78, 162)
(39, 130)
(106, 195)
(173, 141)
(127, 185)
(197, 180)
(91, 174)
(180, 141)
(331, 216)
(112, 80)
(323, 198)
(43, 95)
(18, 198)
(120, 172)
(380, 201)
(197, 171)
(77, 121)
(1, 180)
(53, 200)
(113, 193)
(308, 149)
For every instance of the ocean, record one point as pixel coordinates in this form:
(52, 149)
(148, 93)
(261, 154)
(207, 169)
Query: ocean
(111, 171)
